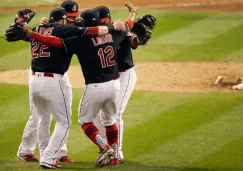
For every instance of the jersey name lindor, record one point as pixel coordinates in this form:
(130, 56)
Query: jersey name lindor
(102, 40)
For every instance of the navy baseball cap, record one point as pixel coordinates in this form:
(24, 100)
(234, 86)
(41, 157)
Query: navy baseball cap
(90, 18)
(104, 13)
(71, 8)
(57, 14)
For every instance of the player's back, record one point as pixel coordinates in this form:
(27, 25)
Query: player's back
(124, 54)
(97, 56)
(50, 59)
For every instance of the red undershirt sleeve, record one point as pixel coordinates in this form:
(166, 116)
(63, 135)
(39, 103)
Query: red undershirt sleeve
(129, 23)
(48, 40)
(92, 32)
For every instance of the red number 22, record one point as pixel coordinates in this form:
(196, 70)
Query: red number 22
(41, 52)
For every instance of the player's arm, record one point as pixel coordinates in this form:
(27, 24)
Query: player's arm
(47, 40)
(132, 16)
(71, 30)
(134, 42)
(83, 31)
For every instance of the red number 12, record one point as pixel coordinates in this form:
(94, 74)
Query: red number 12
(106, 62)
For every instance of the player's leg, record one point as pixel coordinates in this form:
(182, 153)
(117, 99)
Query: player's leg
(57, 101)
(43, 126)
(63, 154)
(128, 82)
(40, 104)
(98, 123)
(90, 104)
(29, 138)
(108, 118)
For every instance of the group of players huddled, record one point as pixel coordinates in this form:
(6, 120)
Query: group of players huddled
(103, 48)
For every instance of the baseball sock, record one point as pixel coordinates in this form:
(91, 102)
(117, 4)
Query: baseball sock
(112, 137)
(94, 135)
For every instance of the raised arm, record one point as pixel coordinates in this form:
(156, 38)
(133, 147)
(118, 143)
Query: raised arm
(132, 16)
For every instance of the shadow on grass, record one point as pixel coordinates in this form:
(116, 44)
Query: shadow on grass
(131, 166)
(11, 165)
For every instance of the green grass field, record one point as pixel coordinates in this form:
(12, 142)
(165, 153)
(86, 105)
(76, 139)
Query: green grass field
(26, 3)
(179, 36)
(164, 131)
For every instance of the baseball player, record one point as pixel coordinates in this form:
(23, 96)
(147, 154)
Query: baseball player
(29, 139)
(98, 61)
(127, 76)
(47, 89)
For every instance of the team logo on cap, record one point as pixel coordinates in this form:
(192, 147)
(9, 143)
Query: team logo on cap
(74, 8)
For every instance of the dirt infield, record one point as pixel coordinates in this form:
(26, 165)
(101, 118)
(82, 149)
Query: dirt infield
(163, 76)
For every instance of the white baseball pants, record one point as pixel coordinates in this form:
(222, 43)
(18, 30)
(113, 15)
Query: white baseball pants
(29, 138)
(51, 96)
(127, 82)
(99, 96)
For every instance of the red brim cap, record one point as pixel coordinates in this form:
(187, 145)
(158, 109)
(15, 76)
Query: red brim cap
(73, 14)
(103, 20)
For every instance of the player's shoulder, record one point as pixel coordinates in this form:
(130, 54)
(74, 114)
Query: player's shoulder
(58, 26)
(117, 35)
(59, 30)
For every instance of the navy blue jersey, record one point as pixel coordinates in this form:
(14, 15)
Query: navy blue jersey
(50, 59)
(97, 56)
(124, 54)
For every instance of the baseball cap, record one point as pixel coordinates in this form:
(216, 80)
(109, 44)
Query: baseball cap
(90, 18)
(58, 14)
(104, 13)
(71, 8)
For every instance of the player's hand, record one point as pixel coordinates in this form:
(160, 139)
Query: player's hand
(130, 7)
(119, 26)
(44, 21)
(135, 42)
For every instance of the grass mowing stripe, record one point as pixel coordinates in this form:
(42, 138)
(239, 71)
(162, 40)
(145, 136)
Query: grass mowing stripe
(12, 49)
(20, 59)
(234, 56)
(14, 112)
(230, 156)
(199, 143)
(174, 20)
(10, 140)
(14, 106)
(137, 103)
(140, 100)
(77, 141)
(168, 46)
(9, 92)
(179, 120)
(157, 122)
(214, 49)
(26, 3)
